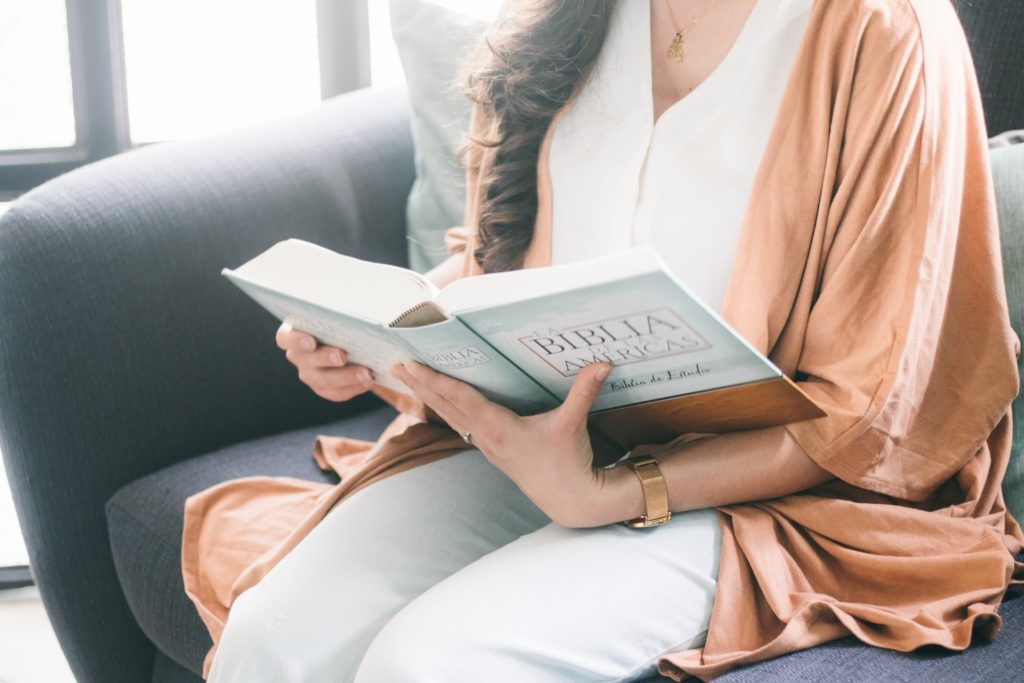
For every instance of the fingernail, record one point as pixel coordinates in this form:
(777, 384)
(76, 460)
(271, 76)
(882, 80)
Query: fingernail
(307, 344)
(365, 377)
(335, 357)
(602, 374)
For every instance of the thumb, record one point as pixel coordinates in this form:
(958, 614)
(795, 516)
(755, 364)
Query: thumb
(584, 391)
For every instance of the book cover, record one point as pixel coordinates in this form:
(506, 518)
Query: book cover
(521, 337)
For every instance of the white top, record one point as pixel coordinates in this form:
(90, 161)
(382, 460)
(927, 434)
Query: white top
(680, 185)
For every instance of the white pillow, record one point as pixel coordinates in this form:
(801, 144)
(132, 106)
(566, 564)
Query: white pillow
(433, 41)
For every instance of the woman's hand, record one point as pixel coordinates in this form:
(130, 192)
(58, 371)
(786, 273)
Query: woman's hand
(549, 456)
(323, 369)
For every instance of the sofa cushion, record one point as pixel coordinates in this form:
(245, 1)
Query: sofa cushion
(145, 518)
(166, 670)
(841, 661)
(433, 41)
(1008, 174)
(849, 661)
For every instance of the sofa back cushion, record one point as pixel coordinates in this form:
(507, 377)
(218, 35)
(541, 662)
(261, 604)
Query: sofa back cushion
(1008, 174)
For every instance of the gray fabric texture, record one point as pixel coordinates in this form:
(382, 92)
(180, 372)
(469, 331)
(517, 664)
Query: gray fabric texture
(166, 670)
(994, 30)
(1008, 175)
(849, 661)
(145, 523)
(123, 350)
(842, 661)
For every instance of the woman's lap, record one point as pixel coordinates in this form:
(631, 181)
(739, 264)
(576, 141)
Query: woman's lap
(314, 614)
(559, 605)
(469, 576)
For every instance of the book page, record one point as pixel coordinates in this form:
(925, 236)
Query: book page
(497, 289)
(371, 291)
(661, 340)
(365, 342)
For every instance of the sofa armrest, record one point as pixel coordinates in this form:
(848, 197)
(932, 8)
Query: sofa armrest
(123, 350)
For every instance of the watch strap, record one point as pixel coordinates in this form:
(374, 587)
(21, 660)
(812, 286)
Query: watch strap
(655, 492)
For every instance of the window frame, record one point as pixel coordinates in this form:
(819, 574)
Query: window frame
(98, 101)
(100, 94)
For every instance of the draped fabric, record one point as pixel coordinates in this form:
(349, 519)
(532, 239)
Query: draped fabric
(868, 269)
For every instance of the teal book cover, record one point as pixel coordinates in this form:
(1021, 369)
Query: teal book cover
(660, 339)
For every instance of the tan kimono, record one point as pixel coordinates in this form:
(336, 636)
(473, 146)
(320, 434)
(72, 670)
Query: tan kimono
(868, 270)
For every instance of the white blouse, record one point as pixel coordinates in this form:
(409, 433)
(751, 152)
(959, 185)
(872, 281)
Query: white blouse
(680, 185)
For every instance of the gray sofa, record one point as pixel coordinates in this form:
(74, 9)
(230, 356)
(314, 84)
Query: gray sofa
(132, 374)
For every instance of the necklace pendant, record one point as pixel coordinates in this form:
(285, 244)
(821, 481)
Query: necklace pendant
(676, 51)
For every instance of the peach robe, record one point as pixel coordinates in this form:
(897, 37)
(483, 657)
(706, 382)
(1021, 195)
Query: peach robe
(868, 270)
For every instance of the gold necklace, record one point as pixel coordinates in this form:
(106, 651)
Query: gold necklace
(677, 50)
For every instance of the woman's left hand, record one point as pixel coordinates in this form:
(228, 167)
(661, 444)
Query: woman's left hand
(549, 455)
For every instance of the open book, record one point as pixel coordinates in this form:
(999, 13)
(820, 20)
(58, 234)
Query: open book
(521, 337)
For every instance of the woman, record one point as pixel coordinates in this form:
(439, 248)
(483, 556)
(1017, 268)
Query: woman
(814, 169)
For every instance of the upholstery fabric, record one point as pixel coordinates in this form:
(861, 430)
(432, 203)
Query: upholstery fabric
(849, 661)
(145, 521)
(103, 267)
(994, 30)
(432, 42)
(1008, 176)
(166, 670)
(842, 661)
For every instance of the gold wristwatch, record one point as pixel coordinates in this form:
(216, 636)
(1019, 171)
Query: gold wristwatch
(655, 492)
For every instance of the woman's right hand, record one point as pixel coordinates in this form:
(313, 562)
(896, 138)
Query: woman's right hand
(324, 369)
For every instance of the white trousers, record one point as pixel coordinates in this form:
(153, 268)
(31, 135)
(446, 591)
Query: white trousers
(447, 573)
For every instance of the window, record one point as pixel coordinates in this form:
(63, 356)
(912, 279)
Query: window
(246, 61)
(12, 547)
(36, 106)
(385, 66)
(83, 79)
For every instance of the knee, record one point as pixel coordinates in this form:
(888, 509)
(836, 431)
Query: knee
(418, 646)
(252, 647)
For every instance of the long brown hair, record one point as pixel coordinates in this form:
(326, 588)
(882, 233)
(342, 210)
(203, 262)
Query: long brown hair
(527, 67)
